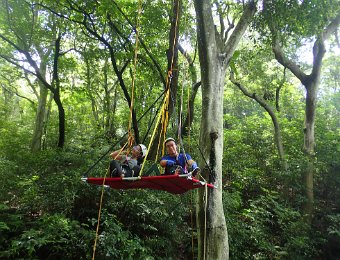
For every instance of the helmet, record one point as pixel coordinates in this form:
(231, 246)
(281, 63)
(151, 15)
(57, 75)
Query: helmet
(169, 139)
(144, 150)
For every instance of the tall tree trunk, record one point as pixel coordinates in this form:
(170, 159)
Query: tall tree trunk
(107, 99)
(40, 117)
(215, 52)
(47, 116)
(56, 93)
(89, 88)
(61, 116)
(212, 229)
(309, 144)
(42, 110)
(311, 83)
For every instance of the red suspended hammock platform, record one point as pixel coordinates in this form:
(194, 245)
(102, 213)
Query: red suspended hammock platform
(175, 184)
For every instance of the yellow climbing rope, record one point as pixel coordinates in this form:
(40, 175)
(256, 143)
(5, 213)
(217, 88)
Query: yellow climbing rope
(130, 140)
(163, 116)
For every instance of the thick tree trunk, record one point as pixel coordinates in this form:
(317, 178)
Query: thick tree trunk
(211, 225)
(212, 229)
(56, 93)
(215, 52)
(309, 144)
(61, 116)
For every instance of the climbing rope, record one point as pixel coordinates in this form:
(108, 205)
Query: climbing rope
(100, 207)
(189, 119)
(163, 117)
(130, 140)
(192, 225)
(130, 135)
(205, 221)
(165, 120)
(160, 115)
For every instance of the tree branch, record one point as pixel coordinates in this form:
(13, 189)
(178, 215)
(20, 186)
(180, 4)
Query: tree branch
(190, 114)
(278, 89)
(262, 103)
(331, 28)
(319, 46)
(10, 60)
(240, 28)
(17, 94)
(287, 63)
(144, 46)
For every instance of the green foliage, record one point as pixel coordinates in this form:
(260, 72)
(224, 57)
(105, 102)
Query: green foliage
(51, 236)
(267, 229)
(47, 212)
(115, 242)
(263, 203)
(55, 210)
(150, 215)
(296, 19)
(333, 229)
(11, 222)
(14, 142)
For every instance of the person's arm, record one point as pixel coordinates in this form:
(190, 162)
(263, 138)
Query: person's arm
(164, 162)
(117, 155)
(191, 163)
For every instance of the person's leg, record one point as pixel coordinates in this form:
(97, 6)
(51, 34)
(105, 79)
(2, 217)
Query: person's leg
(170, 170)
(115, 169)
(135, 170)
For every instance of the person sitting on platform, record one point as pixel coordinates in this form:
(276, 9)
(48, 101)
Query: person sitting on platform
(126, 164)
(175, 162)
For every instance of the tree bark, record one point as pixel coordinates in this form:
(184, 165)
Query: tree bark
(39, 125)
(42, 109)
(214, 55)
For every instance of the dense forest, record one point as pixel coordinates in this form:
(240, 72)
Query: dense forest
(250, 88)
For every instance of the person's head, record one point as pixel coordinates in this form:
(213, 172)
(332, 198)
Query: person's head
(139, 150)
(170, 146)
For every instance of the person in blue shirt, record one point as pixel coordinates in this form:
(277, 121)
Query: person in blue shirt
(175, 162)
